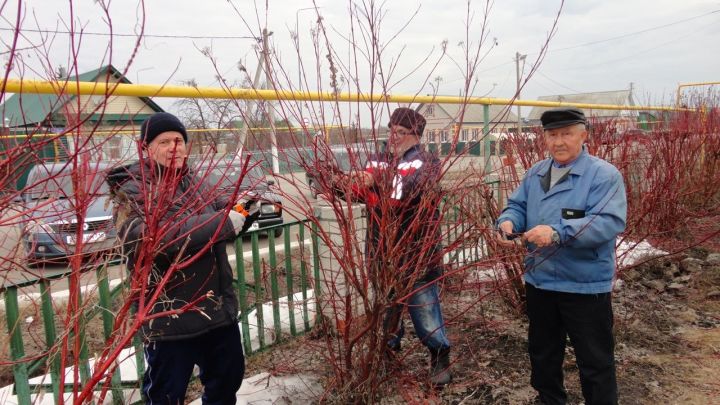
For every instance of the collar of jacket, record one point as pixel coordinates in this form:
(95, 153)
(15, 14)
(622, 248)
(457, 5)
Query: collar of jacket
(410, 153)
(578, 168)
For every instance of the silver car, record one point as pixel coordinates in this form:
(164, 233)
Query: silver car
(51, 228)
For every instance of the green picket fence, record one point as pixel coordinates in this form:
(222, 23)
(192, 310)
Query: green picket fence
(290, 297)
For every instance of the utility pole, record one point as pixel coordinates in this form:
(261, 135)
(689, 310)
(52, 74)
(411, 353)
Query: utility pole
(304, 121)
(518, 58)
(268, 105)
(250, 107)
(263, 64)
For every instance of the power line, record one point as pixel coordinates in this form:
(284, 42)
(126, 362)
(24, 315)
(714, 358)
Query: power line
(107, 34)
(557, 83)
(176, 36)
(629, 34)
(635, 54)
(635, 32)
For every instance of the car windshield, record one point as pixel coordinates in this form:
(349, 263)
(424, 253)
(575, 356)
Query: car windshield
(57, 182)
(227, 176)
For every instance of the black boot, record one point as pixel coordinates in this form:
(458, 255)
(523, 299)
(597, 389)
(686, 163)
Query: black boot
(440, 367)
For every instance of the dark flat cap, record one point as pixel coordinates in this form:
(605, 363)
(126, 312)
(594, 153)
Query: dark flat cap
(562, 117)
(408, 118)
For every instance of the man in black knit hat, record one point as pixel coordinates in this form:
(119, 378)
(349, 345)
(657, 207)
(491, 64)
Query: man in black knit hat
(174, 235)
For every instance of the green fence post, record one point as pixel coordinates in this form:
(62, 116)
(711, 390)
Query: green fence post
(316, 270)
(289, 280)
(242, 294)
(460, 233)
(139, 355)
(486, 136)
(303, 279)
(83, 357)
(275, 294)
(50, 338)
(258, 289)
(17, 351)
(108, 319)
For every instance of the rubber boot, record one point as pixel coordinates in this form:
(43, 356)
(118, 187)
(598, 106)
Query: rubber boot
(440, 367)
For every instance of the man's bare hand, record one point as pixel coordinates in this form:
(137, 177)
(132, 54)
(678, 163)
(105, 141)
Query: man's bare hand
(360, 178)
(540, 235)
(506, 229)
(365, 179)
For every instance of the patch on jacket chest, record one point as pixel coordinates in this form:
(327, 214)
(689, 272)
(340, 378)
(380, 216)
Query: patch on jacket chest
(569, 213)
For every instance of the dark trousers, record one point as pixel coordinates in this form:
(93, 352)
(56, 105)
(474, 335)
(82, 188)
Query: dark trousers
(219, 355)
(588, 320)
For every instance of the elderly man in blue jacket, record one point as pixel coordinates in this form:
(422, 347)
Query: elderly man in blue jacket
(568, 211)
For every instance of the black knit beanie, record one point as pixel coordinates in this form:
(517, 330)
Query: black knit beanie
(159, 123)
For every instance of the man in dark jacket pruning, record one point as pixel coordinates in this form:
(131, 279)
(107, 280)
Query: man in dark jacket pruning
(174, 236)
(400, 189)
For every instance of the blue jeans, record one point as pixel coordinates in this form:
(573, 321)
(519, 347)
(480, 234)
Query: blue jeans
(426, 316)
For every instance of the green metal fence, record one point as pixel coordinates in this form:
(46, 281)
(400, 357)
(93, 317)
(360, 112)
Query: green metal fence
(288, 264)
(471, 249)
(276, 288)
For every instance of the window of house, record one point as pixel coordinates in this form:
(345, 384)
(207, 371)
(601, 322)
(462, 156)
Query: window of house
(464, 135)
(444, 136)
(475, 134)
(430, 111)
(113, 147)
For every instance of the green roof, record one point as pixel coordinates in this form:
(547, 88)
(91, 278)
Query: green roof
(29, 109)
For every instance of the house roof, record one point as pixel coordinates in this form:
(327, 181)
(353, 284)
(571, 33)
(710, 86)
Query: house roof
(30, 109)
(474, 112)
(617, 97)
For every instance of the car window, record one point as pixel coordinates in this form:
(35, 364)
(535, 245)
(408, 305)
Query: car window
(57, 182)
(227, 176)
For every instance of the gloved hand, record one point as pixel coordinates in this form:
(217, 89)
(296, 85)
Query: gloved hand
(252, 213)
(238, 221)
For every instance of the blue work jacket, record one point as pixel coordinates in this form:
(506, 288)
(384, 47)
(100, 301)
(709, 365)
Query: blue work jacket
(587, 207)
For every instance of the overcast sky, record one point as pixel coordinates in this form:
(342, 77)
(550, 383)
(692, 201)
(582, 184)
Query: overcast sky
(599, 44)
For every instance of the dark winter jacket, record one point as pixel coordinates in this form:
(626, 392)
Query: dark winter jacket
(184, 220)
(403, 215)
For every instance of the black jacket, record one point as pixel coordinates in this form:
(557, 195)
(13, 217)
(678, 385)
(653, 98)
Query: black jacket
(404, 233)
(170, 224)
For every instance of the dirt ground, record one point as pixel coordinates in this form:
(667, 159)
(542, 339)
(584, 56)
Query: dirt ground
(667, 327)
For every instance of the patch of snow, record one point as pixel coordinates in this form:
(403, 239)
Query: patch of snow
(128, 366)
(629, 253)
(267, 389)
(269, 334)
